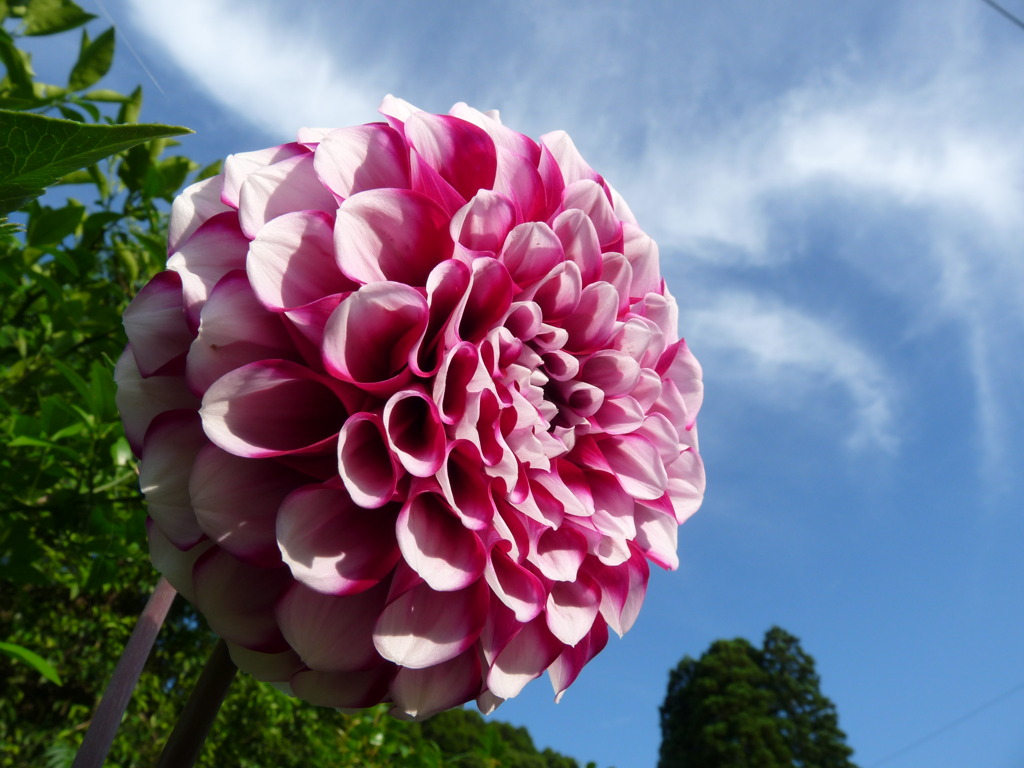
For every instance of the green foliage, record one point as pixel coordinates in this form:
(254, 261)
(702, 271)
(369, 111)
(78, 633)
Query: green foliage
(74, 569)
(738, 706)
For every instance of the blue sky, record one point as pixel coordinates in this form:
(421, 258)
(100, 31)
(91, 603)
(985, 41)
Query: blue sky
(838, 193)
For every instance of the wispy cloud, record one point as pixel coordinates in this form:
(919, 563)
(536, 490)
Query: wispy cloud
(787, 356)
(276, 76)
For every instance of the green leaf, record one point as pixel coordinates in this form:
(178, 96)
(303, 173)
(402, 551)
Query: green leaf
(37, 662)
(51, 225)
(47, 17)
(105, 94)
(19, 69)
(94, 61)
(35, 151)
(130, 108)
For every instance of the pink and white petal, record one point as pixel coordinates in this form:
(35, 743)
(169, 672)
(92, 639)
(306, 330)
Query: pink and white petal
(397, 110)
(636, 464)
(270, 408)
(214, 249)
(238, 600)
(686, 485)
(525, 658)
(391, 234)
(466, 486)
(557, 293)
(422, 693)
(266, 667)
(414, 431)
(623, 588)
(333, 545)
(589, 197)
(447, 285)
(435, 544)
(515, 586)
(531, 250)
(427, 181)
(287, 186)
(155, 324)
(571, 164)
(331, 633)
(620, 416)
(662, 310)
(291, 261)
(238, 166)
(613, 507)
(592, 322)
(648, 389)
(424, 627)
(175, 564)
(370, 336)
(459, 377)
(613, 372)
(139, 400)
(362, 157)
(462, 153)
(504, 138)
(172, 442)
(482, 224)
(559, 552)
(234, 330)
(622, 210)
(641, 252)
(306, 326)
(580, 242)
(663, 436)
(192, 207)
(487, 702)
(366, 465)
(616, 271)
(344, 690)
(488, 300)
(657, 536)
(518, 179)
(236, 502)
(551, 177)
(679, 366)
(567, 667)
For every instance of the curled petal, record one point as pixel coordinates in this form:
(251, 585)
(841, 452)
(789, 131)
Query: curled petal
(172, 442)
(571, 609)
(331, 633)
(490, 296)
(368, 338)
(637, 464)
(686, 484)
(266, 667)
(581, 243)
(593, 320)
(679, 366)
(175, 564)
(214, 249)
(333, 545)
(641, 252)
(423, 627)
(483, 222)
(524, 659)
(390, 234)
(415, 432)
(155, 324)
(463, 154)
(366, 465)
(567, 667)
(238, 166)
(234, 330)
(558, 292)
(515, 586)
(446, 555)
(236, 502)
(351, 160)
(140, 400)
(614, 373)
(271, 408)
(466, 487)
(623, 588)
(195, 204)
(531, 251)
(283, 187)
(344, 690)
(238, 600)
(571, 164)
(656, 535)
(588, 197)
(559, 552)
(421, 693)
(291, 261)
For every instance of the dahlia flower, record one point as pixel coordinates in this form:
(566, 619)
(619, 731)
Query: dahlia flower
(412, 411)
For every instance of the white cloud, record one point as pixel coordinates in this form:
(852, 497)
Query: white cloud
(782, 355)
(276, 76)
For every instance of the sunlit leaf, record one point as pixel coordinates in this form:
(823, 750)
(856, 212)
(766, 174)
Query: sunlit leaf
(94, 60)
(47, 17)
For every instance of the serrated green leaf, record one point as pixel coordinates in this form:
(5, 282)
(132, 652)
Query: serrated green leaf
(47, 17)
(35, 151)
(94, 61)
(34, 660)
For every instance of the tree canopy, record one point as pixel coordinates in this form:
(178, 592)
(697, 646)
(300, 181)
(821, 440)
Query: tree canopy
(739, 706)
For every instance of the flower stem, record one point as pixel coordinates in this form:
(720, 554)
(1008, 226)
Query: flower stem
(107, 718)
(186, 740)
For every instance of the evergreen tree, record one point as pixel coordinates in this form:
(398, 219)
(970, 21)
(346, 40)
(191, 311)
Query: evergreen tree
(739, 706)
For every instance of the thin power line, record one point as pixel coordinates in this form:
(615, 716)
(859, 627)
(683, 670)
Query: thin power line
(127, 42)
(951, 724)
(1005, 12)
